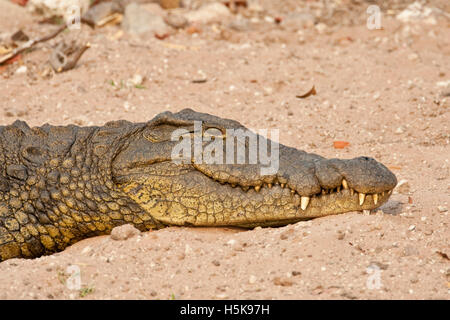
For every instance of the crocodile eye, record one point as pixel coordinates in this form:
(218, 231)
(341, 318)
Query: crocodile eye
(160, 133)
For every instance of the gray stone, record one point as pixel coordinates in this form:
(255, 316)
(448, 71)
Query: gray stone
(176, 21)
(124, 232)
(403, 187)
(102, 10)
(298, 20)
(239, 24)
(137, 20)
(211, 12)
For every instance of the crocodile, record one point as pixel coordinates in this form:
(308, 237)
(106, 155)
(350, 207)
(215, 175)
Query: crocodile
(61, 184)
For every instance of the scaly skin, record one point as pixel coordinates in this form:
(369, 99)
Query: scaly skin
(59, 185)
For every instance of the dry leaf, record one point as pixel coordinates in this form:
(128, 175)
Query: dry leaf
(340, 144)
(193, 29)
(22, 3)
(312, 91)
(161, 36)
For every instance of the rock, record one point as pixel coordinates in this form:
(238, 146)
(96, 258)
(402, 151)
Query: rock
(211, 12)
(86, 250)
(286, 234)
(298, 21)
(443, 84)
(102, 10)
(239, 24)
(216, 263)
(21, 70)
(187, 4)
(282, 281)
(403, 187)
(188, 250)
(252, 279)
(154, 8)
(382, 266)
(442, 209)
(254, 6)
(416, 12)
(410, 251)
(340, 235)
(321, 27)
(176, 21)
(137, 80)
(50, 8)
(269, 19)
(413, 57)
(19, 36)
(399, 130)
(124, 232)
(137, 20)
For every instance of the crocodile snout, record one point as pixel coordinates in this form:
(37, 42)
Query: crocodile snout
(362, 174)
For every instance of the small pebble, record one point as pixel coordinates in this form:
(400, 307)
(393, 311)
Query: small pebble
(399, 130)
(413, 56)
(21, 70)
(137, 80)
(124, 232)
(188, 249)
(176, 21)
(403, 186)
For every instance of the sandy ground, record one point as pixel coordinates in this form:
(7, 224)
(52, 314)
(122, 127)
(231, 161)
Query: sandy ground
(384, 91)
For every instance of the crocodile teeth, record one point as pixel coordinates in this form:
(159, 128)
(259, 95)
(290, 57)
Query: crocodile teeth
(269, 185)
(245, 188)
(362, 196)
(323, 191)
(292, 191)
(283, 184)
(344, 184)
(375, 198)
(304, 202)
(338, 189)
(257, 188)
(352, 192)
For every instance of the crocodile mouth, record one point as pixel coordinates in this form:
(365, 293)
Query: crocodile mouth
(344, 190)
(191, 197)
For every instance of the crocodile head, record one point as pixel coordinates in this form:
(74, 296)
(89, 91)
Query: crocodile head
(199, 192)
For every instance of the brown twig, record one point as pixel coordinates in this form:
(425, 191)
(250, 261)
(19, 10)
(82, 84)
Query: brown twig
(31, 43)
